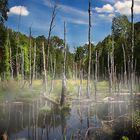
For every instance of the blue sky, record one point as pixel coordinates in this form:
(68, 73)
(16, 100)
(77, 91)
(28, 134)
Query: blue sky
(37, 13)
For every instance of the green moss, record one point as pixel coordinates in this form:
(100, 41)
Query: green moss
(45, 109)
(136, 117)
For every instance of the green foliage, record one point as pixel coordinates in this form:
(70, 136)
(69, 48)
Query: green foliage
(121, 34)
(3, 10)
(121, 27)
(137, 117)
(124, 138)
(6, 59)
(26, 59)
(45, 109)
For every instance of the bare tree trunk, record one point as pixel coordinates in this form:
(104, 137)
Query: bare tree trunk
(11, 63)
(81, 82)
(34, 65)
(129, 74)
(44, 68)
(53, 74)
(49, 36)
(109, 75)
(132, 46)
(98, 67)
(75, 70)
(96, 75)
(124, 56)
(17, 53)
(89, 55)
(64, 86)
(22, 64)
(134, 71)
(30, 58)
(132, 59)
(112, 78)
(17, 60)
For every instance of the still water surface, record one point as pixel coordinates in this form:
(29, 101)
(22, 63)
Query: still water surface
(41, 120)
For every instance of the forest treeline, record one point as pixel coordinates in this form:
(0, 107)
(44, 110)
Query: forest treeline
(115, 59)
(12, 42)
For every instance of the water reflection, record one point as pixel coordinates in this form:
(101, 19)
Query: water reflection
(41, 120)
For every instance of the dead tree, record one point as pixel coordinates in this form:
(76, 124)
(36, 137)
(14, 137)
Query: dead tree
(53, 67)
(49, 35)
(10, 56)
(17, 60)
(64, 85)
(11, 65)
(17, 49)
(132, 46)
(81, 82)
(124, 57)
(22, 64)
(89, 51)
(112, 78)
(109, 74)
(34, 64)
(44, 68)
(30, 57)
(96, 75)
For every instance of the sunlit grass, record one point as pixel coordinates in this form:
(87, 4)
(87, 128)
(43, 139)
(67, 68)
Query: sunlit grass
(12, 90)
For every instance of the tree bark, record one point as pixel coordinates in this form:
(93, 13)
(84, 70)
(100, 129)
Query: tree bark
(109, 74)
(89, 52)
(34, 65)
(30, 57)
(22, 64)
(53, 74)
(64, 86)
(11, 62)
(132, 46)
(96, 75)
(44, 68)
(49, 36)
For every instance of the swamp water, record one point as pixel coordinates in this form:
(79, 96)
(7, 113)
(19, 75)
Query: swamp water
(42, 120)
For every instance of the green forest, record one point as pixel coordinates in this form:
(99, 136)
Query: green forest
(43, 74)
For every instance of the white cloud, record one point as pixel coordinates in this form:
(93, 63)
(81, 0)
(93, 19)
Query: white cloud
(124, 7)
(106, 8)
(106, 17)
(111, 15)
(110, 1)
(19, 10)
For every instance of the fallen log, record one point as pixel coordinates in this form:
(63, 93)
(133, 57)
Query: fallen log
(49, 99)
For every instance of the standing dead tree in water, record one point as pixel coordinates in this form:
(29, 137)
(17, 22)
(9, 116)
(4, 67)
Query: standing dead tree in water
(53, 69)
(44, 67)
(30, 57)
(11, 64)
(112, 62)
(89, 52)
(34, 64)
(64, 85)
(96, 75)
(109, 74)
(17, 49)
(132, 47)
(49, 35)
(22, 64)
(124, 57)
